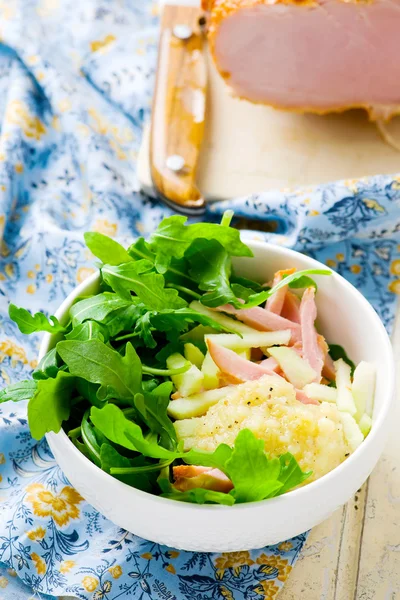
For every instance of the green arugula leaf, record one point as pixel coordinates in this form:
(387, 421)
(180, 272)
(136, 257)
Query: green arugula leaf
(218, 459)
(28, 323)
(195, 496)
(290, 280)
(152, 407)
(111, 458)
(48, 366)
(144, 328)
(89, 391)
(137, 472)
(141, 249)
(50, 405)
(81, 447)
(22, 390)
(123, 319)
(106, 249)
(253, 475)
(246, 283)
(210, 267)
(148, 286)
(172, 238)
(241, 292)
(89, 330)
(291, 474)
(97, 308)
(337, 352)
(302, 282)
(90, 441)
(180, 320)
(97, 363)
(112, 422)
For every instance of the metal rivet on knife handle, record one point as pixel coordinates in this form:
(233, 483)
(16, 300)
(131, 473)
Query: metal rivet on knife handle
(182, 31)
(177, 124)
(175, 163)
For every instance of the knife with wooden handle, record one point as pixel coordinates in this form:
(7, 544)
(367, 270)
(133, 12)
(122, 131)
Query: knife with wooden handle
(179, 106)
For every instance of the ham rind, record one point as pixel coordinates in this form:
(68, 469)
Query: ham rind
(291, 307)
(263, 320)
(311, 349)
(188, 477)
(275, 302)
(239, 369)
(310, 56)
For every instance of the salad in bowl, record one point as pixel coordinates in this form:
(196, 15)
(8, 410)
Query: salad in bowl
(184, 379)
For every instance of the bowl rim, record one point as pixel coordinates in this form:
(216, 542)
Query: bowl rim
(291, 495)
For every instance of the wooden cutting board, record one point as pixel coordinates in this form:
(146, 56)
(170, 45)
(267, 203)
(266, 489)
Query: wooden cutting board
(252, 148)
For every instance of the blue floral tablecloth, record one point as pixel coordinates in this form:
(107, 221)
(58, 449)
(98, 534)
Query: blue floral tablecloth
(75, 88)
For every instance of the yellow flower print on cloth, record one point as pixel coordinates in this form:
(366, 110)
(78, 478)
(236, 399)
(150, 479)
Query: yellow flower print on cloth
(39, 563)
(116, 571)
(234, 561)
(90, 583)
(66, 566)
(274, 567)
(36, 534)
(61, 507)
(267, 590)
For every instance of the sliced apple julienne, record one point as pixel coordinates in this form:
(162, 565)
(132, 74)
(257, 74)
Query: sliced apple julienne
(351, 430)
(186, 383)
(193, 355)
(196, 405)
(365, 424)
(344, 400)
(296, 369)
(257, 339)
(323, 393)
(210, 373)
(363, 388)
(227, 322)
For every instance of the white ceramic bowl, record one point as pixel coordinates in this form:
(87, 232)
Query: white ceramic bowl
(345, 318)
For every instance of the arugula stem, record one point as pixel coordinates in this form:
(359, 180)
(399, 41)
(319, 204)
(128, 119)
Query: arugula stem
(227, 218)
(125, 337)
(153, 371)
(133, 470)
(184, 290)
(74, 433)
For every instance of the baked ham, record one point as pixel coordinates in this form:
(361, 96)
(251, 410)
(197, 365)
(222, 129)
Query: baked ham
(310, 56)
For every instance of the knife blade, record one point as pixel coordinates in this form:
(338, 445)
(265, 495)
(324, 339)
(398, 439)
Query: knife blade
(179, 106)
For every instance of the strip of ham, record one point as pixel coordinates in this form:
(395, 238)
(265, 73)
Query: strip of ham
(188, 477)
(270, 363)
(309, 337)
(275, 303)
(311, 56)
(240, 370)
(263, 320)
(291, 307)
(328, 370)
